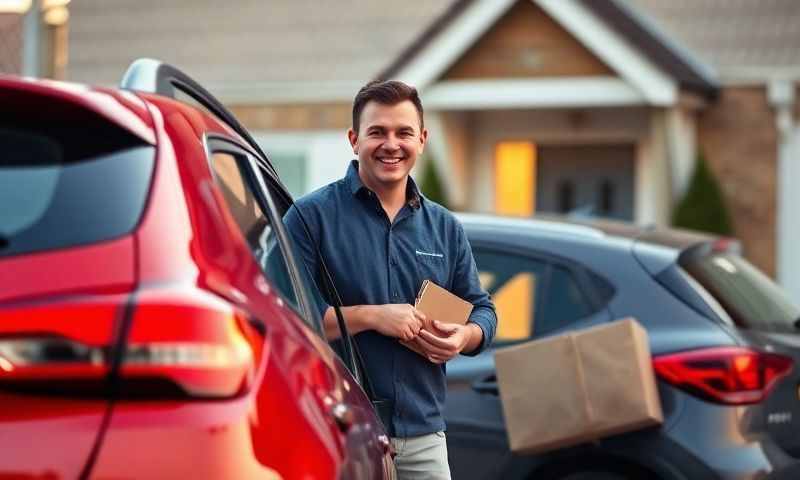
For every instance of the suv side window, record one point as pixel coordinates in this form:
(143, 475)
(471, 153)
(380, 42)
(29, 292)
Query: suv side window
(516, 285)
(253, 222)
(282, 201)
(565, 303)
(532, 296)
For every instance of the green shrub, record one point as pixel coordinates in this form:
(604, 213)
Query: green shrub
(703, 206)
(430, 184)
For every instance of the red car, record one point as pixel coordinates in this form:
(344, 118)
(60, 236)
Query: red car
(154, 322)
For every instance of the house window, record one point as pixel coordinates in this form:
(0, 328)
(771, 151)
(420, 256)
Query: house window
(515, 178)
(291, 167)
(307, 160)
(566, 196)
(607, 194)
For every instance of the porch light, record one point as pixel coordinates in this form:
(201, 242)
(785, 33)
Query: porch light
(14, 6)
(55, 12)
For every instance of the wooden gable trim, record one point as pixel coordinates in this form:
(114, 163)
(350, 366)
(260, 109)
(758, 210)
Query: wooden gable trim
(526, 43)
(433, 59)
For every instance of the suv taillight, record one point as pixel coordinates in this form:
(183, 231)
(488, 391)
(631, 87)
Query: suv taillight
(186, 343)
(727, 375)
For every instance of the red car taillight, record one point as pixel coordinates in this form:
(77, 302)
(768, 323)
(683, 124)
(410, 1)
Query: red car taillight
(727, 375)
(186, 343)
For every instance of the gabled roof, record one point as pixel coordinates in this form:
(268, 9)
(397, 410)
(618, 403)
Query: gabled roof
(690, 73)
(277, 50)
(741, 39)
(306, 50)
(675, 62)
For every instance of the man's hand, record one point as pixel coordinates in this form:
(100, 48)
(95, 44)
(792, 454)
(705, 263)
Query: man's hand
(448, 340)
(399, 320)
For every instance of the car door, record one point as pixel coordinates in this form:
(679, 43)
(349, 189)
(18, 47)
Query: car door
(320, 395)
(368, 447)
(476, 436)
(535, 295)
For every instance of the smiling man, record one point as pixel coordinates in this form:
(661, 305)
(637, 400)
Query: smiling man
(381, 238)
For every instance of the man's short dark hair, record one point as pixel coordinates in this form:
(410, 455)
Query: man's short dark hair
(389, 92)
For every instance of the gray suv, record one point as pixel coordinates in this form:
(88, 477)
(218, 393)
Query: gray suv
(724, 339)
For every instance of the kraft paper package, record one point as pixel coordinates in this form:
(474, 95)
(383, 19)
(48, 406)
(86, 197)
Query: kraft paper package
(578, 387)
(439, 304)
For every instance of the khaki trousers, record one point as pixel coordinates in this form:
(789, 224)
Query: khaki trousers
(421, 458)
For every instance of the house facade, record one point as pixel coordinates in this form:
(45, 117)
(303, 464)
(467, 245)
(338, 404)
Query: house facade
(594, 106)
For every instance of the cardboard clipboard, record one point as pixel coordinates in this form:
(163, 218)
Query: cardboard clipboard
(439, 304)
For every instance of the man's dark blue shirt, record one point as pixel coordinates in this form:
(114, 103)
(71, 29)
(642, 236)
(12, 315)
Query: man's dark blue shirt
(375, 262)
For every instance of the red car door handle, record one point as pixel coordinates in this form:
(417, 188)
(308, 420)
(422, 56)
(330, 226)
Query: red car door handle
(343, 416)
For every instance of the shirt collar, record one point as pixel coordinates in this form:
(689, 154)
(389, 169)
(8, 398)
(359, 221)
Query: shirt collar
(413, 196)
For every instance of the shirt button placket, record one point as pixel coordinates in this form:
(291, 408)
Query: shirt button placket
(389, 255)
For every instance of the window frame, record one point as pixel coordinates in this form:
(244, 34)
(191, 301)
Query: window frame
(217, 143)
(354, 363)
(265, 174)
(580, 274)
(538, 310)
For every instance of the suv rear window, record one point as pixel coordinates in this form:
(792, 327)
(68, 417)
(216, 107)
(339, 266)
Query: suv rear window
(750, 298)
(65, 184)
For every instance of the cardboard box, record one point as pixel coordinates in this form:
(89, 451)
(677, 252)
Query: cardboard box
(578, 387)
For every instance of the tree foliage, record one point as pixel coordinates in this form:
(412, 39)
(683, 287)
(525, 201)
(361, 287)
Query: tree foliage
(703, 206)
(431, 185)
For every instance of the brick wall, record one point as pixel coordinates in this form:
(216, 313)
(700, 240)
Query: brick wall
(10, 43)
(739, 139)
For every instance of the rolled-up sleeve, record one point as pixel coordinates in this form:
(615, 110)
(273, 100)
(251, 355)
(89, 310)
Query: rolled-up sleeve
(303, 243)
(466, 284)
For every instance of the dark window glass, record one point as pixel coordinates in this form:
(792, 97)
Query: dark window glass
(308, 279)
(64, 186)
(566, 196)
(252, 221)
(607, 195)
(750, 298)
(516, 286)
(602, 290)
(565, 301)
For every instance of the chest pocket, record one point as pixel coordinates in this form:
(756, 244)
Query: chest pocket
(432, 266)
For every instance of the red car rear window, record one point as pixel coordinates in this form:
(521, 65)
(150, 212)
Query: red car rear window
(66, 183)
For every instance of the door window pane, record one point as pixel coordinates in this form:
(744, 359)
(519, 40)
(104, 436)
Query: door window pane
(565, 301)
(515, 285)
(254, 224)
(531, 296)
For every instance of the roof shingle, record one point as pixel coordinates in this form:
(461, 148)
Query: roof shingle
(347, 42)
